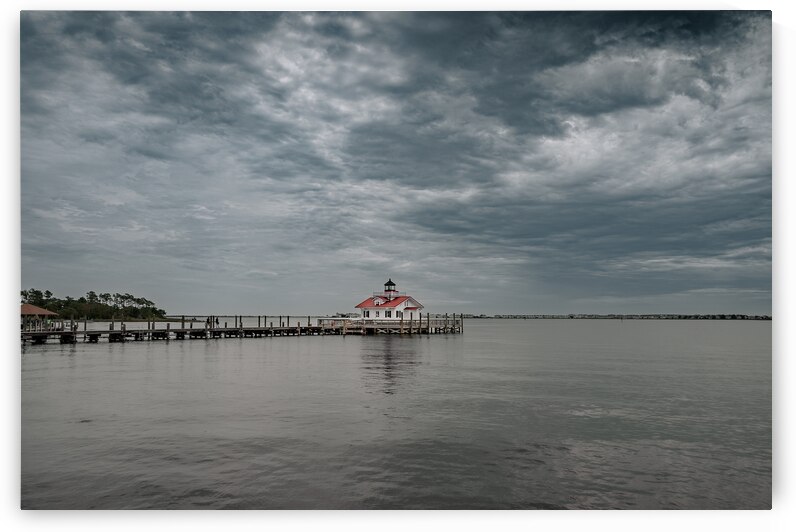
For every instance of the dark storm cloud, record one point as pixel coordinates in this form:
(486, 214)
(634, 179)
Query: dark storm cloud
(562, 159)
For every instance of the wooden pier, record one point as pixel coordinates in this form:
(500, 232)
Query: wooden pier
(70, 332)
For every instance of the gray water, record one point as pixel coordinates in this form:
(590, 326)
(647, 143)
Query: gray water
(511, 414)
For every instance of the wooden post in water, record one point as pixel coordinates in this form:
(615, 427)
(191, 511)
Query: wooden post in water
(419, 323)
(183, 322)
(258, 321)
(411, 316)
(428, 322)
(288, 320)
(402, 323)
(446, 322)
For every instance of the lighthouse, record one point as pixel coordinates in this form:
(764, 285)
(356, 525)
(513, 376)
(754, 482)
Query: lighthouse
(390, 305)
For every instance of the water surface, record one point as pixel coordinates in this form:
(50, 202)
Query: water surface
(511, 414)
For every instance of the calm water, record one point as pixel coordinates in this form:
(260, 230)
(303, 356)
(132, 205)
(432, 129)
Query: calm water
(511, 414)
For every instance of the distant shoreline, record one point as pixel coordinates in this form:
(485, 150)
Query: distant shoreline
(620, 317)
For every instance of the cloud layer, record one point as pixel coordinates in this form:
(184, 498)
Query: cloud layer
(487, 162)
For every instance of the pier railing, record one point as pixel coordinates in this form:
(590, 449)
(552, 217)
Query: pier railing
(68, 331)
(421, 323)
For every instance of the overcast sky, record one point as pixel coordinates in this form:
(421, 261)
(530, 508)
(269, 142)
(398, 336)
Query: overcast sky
(498, 163)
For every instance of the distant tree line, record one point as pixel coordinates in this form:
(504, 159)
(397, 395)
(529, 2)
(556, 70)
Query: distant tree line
(95, 306)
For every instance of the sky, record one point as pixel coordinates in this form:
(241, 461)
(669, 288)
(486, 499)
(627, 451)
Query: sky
(497, 163)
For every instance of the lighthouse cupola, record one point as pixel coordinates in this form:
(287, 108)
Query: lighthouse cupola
(389, 289)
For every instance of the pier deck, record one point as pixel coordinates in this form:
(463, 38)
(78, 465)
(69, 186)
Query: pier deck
(155, 331)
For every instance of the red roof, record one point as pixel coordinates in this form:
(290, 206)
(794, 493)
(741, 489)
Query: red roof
(32, 310)
(368, 303)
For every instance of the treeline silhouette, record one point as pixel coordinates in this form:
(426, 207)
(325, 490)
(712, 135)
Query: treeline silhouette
(94, 306)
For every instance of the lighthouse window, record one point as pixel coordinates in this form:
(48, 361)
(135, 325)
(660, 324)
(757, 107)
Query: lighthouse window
(366, 314)
(388, 313)
(377, 313)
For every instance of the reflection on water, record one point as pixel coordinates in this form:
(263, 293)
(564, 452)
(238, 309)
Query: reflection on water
(387, 361)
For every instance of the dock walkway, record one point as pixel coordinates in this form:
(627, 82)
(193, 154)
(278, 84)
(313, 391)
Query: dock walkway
(70, 332)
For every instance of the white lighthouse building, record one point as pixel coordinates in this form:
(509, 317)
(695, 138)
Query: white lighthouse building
(390, 305)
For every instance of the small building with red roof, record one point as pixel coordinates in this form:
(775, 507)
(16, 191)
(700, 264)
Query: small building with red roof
(390, 305)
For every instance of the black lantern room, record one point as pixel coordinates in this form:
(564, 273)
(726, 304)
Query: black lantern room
(389, 286)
